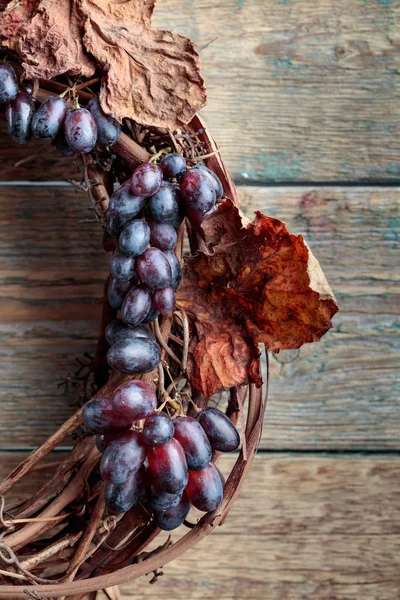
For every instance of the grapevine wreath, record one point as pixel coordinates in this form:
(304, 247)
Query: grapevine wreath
(194, 290)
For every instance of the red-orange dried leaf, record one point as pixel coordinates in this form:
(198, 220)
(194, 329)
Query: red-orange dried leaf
(257, 283)
(16, 14)
(152, 77)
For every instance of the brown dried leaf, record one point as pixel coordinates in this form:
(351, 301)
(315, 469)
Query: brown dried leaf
(152, 77)
(257, 284)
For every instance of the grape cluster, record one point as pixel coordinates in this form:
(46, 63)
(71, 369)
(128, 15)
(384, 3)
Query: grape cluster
(144, 213)
(168, 463)
(72, 130)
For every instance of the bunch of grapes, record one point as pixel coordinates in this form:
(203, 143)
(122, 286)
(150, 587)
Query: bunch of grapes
(144, 213)
(167, 463)
(72, 130)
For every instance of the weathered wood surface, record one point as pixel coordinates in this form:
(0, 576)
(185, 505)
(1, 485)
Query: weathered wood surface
(298, 90)
(341, 393)
(303, 527)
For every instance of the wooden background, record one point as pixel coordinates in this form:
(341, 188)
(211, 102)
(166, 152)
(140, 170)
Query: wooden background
(304, 100)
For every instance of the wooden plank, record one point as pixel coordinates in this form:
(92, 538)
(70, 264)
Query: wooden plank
(339, 394)
(298, 90)
(52, 270)
(342, 392)
(303, 527)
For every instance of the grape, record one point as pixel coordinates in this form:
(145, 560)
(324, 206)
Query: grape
(103, 439)
(146, 179)
(168, 466)
(122, 267)
(194, 441)
(151, 315)
(8, 83)
(49, 117)
(135, 356)
(134, 238)
(219, 429)
(134, 400)
(173, 517)
(61, 145)
(19, 113)
(197, 191)
(122, 457)
(108, 128)
(163, 206)
(99, 417)
(173, 165)
(136, 306)
(176, 268)
(158, 429)
(80, 130)
(153, 269)
(162, 235)
(117, 291)
(164, 300)
(122, 208)
(121, 497)
(205, 489)
(162, 500)
(28, 87)
(117, 330)
(219, 190)
(196, 218)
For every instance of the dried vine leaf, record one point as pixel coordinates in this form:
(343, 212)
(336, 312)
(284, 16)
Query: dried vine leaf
(256, 284)
(150, 76)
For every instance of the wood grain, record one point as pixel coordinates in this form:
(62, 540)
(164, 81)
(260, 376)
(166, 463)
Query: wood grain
(339, 394)
(298, 90)
(303, 527)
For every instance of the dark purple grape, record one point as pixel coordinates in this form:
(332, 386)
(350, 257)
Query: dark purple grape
(121, 497)
(197, 191)
(173, 165)
(122, 267)
(205, 489)
(28, 87)
(162, 235)
(146, 179)
(135, 356)
(173, 517)
(151, 315)
(80, 130)
(123, 207)
(117, 291)
(168, 466)
(158, 429)
(164, 300)
(194, 441)
(61, 145)
(117, 330)
(163, 206)
(219, 429)
(19, 113)
(103, 439)
(161, 500)
(134, 238)
(153, 269)
(108, 128)
(8, 83)
(219, 190)
(134, 400)
(122, 457)
(99, 416)
(49, 117)
(136, 306)
(176, 268)
(196, 218)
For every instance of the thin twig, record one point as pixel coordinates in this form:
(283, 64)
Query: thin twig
(164, 344)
